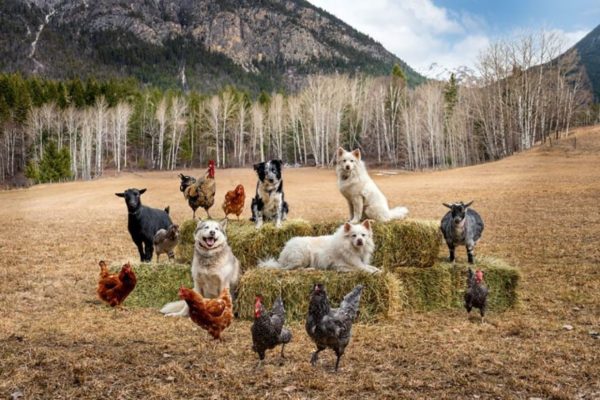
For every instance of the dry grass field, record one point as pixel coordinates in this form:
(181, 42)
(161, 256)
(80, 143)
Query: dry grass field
(542, 210)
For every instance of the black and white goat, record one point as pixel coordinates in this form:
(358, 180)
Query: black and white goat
(461, 226)
(143, 222)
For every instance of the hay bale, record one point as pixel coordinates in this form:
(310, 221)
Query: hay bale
(501, 278)
(399, 244)
(157, 284)
(421, 289)
(427, 288)
(407, 243)
(443, 285)
(382, 297)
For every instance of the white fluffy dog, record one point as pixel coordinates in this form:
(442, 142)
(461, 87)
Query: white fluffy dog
(214, 267)
(349, 249)
(364, 198)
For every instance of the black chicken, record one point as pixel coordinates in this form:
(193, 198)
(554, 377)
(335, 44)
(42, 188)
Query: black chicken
(331, 327)
(476, 293)
(267, 329)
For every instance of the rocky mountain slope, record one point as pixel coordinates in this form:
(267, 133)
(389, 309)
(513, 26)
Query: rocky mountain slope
(258, 44)
(588, 50)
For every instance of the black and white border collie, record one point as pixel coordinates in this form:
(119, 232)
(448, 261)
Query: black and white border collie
(269, 203)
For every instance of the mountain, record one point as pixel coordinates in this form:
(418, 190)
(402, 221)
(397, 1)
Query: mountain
(588, 50)
(203, 44)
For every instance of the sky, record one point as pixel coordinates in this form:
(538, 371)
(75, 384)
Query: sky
(437, 36)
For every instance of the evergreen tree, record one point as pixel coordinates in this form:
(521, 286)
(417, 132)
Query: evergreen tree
(76, 93)
(55, 165)
(450, 95)
(398, 75)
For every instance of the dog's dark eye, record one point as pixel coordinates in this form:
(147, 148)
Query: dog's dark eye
(354, 235)
(364, 235)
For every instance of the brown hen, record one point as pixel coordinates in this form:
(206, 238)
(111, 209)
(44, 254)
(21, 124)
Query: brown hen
(212, 315)
(114, 288)
(234, 201)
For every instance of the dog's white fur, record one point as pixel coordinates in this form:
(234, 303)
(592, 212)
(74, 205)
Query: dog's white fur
(349, 249)
(364, 198)
(214, 267)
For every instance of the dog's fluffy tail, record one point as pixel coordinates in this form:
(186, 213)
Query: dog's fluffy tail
(398, 213)
(174, 307)
(269, 263)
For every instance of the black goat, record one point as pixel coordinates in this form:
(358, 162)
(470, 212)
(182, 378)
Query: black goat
(143, 222)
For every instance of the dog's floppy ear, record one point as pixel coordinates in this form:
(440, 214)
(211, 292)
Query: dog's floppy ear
(258, 166)
(347, 227)
(368, 223)
(340, 152)
(356, 153)
(120, 194)
(223, 224)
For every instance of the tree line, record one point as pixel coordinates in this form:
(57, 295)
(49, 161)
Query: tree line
(517, 97)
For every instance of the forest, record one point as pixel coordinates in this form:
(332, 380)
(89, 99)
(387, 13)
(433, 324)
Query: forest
(517, 97)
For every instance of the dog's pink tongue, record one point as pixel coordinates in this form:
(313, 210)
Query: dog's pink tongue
(210, 241)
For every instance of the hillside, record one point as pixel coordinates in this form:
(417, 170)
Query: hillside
(588, 49)
(201, 44)
(588, 53)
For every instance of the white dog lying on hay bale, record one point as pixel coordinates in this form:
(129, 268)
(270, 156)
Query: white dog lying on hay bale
(349, 249)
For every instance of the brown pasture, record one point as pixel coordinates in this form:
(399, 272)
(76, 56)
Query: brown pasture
(542, 210)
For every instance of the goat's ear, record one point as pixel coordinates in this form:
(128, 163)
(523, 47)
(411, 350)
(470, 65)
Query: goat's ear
(120, 194)
(447, 205)
(142, 191)
(340, 152)
(469, 203)
(347, 227)
(224, 224)
(356, 153)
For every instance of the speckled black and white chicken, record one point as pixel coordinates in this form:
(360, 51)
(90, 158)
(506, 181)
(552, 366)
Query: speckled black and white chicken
(331, 327)
(267, 330)
(476, 293)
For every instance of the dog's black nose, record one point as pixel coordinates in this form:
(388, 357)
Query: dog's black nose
(211, 233)
(359, 242)
(347, 167)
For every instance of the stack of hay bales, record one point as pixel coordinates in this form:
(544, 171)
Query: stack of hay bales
(408, 251)
(398, 244)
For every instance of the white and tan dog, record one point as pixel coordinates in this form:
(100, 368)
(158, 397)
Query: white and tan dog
(214, 267)
(349, 249)
(364, 198)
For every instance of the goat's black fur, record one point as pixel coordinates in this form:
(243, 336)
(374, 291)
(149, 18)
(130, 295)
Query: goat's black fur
(143, 222)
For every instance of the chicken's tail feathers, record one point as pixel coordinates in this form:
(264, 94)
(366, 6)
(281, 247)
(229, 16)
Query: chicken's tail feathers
(470, 277)
(278, 308)
(173, 307)
(398, 213)
(269, 263)
(351, 301)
